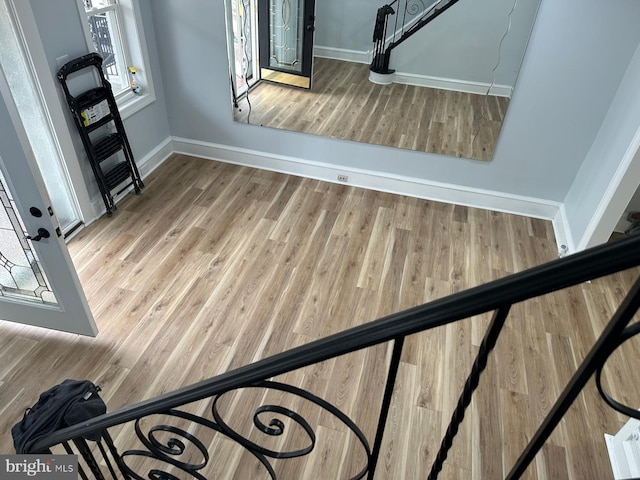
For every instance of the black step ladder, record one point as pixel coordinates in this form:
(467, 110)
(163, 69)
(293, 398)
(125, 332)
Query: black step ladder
(91, 110)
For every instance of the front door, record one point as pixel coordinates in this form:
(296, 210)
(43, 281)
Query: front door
(38, 283)
(286, 41)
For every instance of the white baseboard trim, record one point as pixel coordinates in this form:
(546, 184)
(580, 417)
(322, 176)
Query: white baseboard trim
(453, 84)
(397, 184)
(356, 56)
(442, 83)
(563, 232)
(155, 157)
(146, 165)
(436, 191)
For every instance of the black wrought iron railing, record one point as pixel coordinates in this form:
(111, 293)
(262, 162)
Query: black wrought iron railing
(180, 447)
(398, 21)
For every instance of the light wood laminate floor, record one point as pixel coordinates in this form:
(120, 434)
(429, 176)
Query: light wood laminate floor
(215, 266)
(344, 104)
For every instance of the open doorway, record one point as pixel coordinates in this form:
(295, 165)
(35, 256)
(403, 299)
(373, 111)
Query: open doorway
(270, 40)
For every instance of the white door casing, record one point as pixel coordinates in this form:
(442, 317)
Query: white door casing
(70, 312)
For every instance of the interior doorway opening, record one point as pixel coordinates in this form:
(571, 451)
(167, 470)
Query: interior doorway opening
(269, 40)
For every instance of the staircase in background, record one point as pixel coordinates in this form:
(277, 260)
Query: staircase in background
(398, 21)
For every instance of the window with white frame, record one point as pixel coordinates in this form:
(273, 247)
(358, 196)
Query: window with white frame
(114, 30)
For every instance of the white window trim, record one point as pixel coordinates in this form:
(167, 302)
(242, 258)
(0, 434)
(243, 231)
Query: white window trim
(138, 56)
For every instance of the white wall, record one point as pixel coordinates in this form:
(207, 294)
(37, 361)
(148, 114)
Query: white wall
(578, 47)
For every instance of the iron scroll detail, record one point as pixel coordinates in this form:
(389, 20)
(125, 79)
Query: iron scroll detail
(627, 334)
(276, 427)
(168, 444)
(415, 7)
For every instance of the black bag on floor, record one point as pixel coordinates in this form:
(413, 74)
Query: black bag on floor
(68, 403)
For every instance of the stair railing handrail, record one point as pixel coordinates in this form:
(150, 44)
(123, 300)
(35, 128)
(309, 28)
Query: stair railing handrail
(502, 293)
(384, 43)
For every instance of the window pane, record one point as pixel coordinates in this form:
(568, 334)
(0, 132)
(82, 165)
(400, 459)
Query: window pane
(103, 28)
(89, 4)
(125, 37)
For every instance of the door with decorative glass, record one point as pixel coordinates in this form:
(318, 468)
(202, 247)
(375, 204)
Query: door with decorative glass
(286, 41)
(38, 283)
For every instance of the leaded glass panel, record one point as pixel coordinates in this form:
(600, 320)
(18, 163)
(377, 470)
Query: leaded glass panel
(20, 274)
(287, 30)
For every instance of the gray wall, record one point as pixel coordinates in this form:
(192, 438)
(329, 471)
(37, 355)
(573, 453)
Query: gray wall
(464, 42)
(634, 204)
(347, 25)
(461, 44)
(600, 165)
(569, 77)
(60, 29)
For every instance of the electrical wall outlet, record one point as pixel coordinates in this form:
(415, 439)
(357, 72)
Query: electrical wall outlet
(343, 178)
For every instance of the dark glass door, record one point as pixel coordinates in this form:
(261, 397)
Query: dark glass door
(286, 41)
